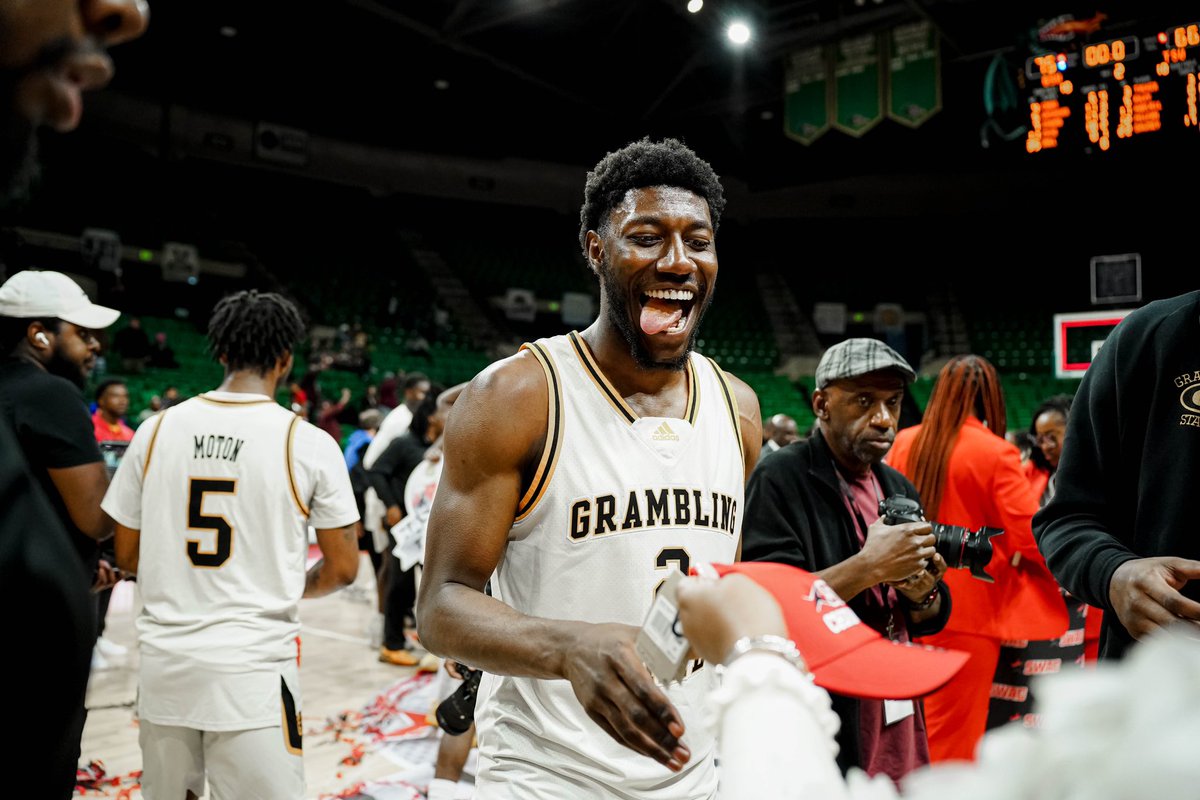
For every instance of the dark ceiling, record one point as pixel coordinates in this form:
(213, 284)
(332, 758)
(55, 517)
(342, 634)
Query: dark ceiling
(567, 80)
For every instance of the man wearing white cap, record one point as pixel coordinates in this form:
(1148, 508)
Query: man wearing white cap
(48, 348)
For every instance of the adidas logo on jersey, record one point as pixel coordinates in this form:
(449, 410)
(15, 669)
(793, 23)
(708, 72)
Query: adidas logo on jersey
(663, 433)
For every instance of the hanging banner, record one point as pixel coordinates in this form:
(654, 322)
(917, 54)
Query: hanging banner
(858, 84)
(807, 95)
(915, 75)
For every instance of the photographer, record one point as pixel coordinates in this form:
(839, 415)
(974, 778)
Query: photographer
(815, 504)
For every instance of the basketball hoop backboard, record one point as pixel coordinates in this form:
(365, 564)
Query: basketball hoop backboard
(1078, 337)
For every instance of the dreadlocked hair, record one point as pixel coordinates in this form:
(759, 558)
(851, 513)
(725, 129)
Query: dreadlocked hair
(966, 385)
(253, 330)
(642, 164)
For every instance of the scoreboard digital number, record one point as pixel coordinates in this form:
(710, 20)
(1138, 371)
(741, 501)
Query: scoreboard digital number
(1109, 92)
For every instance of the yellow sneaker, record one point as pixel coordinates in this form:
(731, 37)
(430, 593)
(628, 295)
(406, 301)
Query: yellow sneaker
(429, 663)
(401, 658)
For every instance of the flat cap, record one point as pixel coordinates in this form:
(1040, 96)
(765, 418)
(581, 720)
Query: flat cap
(855, 357)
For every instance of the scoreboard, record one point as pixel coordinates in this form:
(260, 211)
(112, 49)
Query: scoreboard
(1102, 95)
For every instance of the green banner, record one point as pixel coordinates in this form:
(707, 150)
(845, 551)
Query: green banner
(915, 75)
(858, 79)
(807, 96)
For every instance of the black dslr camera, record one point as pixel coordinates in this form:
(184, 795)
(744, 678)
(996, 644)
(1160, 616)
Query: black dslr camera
(962, 548)
(456, 713)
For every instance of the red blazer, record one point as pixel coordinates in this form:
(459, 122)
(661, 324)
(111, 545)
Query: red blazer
(985, 485)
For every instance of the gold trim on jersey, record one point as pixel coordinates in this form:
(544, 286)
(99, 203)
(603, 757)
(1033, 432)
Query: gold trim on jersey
(554, 435)
(162, 415)
(234, 402)
(287, 459)
(614, 397)
(732, 405)
(593, 370)
(693, 404)
(293, 722)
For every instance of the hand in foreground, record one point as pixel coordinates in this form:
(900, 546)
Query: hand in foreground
(716, 613)
(620, 695)
(897, 552)
(1145, 593)
(917, 587)
(107, 576)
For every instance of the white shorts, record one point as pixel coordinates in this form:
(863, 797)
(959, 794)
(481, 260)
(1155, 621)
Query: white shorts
(262, 763)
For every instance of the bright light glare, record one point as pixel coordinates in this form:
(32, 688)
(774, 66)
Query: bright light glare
(739, 33)
(695, 5)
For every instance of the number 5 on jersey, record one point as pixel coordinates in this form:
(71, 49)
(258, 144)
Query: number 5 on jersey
(199, 521)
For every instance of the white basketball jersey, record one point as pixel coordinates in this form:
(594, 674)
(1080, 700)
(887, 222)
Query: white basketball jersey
(617, 502)
(223, 488)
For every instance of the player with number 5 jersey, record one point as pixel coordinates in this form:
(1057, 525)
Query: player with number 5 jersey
(213, 502)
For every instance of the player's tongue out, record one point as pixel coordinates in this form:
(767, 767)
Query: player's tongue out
(659, 315)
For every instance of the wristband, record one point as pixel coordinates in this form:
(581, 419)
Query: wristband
(922, 604)
(785, 648)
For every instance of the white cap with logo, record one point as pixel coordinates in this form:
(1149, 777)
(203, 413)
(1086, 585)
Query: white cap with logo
(34, 293)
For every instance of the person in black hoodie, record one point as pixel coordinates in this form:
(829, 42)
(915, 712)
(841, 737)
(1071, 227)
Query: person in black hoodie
(1120, 532)
(814, 504)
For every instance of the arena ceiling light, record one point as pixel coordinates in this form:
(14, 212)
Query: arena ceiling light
(738, 32)
(695, 5)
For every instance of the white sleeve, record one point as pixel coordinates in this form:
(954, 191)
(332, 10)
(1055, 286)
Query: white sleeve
(123, 500)
(331, 498)
(775, 731)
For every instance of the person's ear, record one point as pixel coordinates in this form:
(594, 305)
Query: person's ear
(820, 404)
(594, 249)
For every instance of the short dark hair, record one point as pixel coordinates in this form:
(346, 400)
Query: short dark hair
(253, 330)
(641, 164)
(13, 330)
(413, 379)
(106, 385)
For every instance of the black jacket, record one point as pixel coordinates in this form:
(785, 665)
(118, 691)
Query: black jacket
(1130, 466)
(795, 515)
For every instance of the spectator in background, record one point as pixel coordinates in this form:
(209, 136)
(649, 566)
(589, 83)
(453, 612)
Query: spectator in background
(368, 425)
(815, 505)
(1012, 692)
(1120, 531)
(783, 433)
(299, 399)
(133, 346)
(388, 475)
(388, 398)
(170, 396)
(150, 410)
(968, 475)
(370, 398)
(327, 418)
(47, 327)
(112, 404)
(416, 386)
(161, 354)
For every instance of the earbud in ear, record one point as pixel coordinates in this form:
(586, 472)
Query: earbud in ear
(42, 338)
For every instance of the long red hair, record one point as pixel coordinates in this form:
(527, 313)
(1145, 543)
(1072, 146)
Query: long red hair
(966, 385)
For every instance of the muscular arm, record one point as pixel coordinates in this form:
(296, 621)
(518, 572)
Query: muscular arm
(339, 562)
(486, 465)
(82, 488)
(749, 418)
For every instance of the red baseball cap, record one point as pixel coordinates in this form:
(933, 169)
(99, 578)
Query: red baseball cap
(844, 655)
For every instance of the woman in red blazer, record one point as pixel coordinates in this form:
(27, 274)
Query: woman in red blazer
(968, 475)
